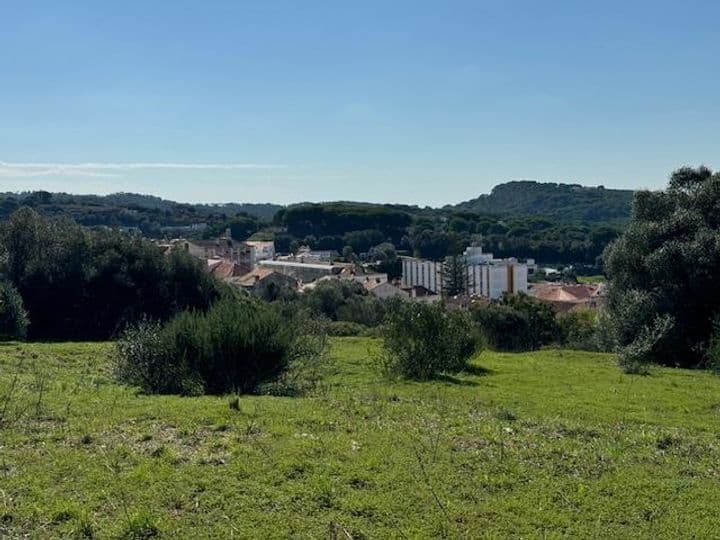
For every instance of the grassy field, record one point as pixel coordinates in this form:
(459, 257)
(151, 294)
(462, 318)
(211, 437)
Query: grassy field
(540, 445)
(591, 279)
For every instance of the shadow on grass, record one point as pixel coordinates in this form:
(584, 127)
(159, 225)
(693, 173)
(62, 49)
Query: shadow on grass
(476, 371)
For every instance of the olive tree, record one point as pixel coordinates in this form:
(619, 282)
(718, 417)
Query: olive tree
(663, 295)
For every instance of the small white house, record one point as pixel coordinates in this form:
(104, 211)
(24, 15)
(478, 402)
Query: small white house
(384, 289)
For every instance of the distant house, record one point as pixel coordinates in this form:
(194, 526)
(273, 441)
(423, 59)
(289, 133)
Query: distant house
(384, 289)
(364, 278)
(302, 271)
(222, 248)
(565, 297)
(418, 293)
(262, 277)
(225, 269)
(263, 250)
(307, 254)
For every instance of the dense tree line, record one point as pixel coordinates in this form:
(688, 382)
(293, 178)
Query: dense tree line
(435, 234)
(569, 224)
(78, 283)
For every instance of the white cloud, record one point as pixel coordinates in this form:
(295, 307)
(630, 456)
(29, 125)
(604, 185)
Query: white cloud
(100, 170)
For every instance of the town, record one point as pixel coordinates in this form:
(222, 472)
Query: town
(254, 266)
(359, 270)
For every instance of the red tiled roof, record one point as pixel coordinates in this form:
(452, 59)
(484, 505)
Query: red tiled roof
(227, 269)
(559, 292)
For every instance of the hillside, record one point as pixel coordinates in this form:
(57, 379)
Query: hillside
(557, 202)
(150, 214)
(547, 444)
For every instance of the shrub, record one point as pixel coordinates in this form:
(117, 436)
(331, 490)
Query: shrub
(329, 295)
(579, 330)
(366, 310)
(345, 329)
(503, 328)
(712, 353)
(237, 345)
(423, 340)
(13, 317)
(542, 324)
(344, 300)
(516, 322)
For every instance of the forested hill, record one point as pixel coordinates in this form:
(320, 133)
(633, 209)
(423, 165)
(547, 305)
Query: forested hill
(150, 214)
(548, 222)
(557, 202)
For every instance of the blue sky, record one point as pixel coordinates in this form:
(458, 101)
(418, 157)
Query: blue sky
(394, 101)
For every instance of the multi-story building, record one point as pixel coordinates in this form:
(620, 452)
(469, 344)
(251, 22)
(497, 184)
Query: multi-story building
(304, 272)
(483, 274)
(263, 250)
(223, 248)
(427, 274)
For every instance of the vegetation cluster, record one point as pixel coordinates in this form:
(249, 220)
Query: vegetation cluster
(82, 284)
(239, 345)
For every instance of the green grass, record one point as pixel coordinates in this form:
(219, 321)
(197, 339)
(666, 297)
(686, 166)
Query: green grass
(541, 445)
(591, 279)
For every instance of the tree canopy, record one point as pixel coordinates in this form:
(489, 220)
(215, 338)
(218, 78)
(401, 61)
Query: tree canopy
(78, 283)
(663, 294)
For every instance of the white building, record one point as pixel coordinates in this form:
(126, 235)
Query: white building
(264, 251)
(485, 275)
(384, 289)
(427, 274)
(302, 271)
(223, 248)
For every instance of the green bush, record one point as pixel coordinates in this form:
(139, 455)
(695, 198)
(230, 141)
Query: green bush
(712, 353)
(13, 317)
(503, 328)
(579, 330)
(366, 310)
(346, 328)
(422, 341)
(238, 345)
(516, 323)
(343, 300)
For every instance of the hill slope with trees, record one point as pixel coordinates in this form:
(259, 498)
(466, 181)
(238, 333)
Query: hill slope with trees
(553, 223)
(558, 202)
(153, 216)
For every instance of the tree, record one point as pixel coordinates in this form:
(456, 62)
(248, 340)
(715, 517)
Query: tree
(242, 227)
(663, 295)
(454, 275)
(78, 283)
(348, 254)
(13, 317)
(385, 258)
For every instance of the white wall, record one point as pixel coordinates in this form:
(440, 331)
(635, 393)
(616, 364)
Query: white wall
(420, 272)
(520, 274)
(498, 282)
(387, 290)
(488, 280)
